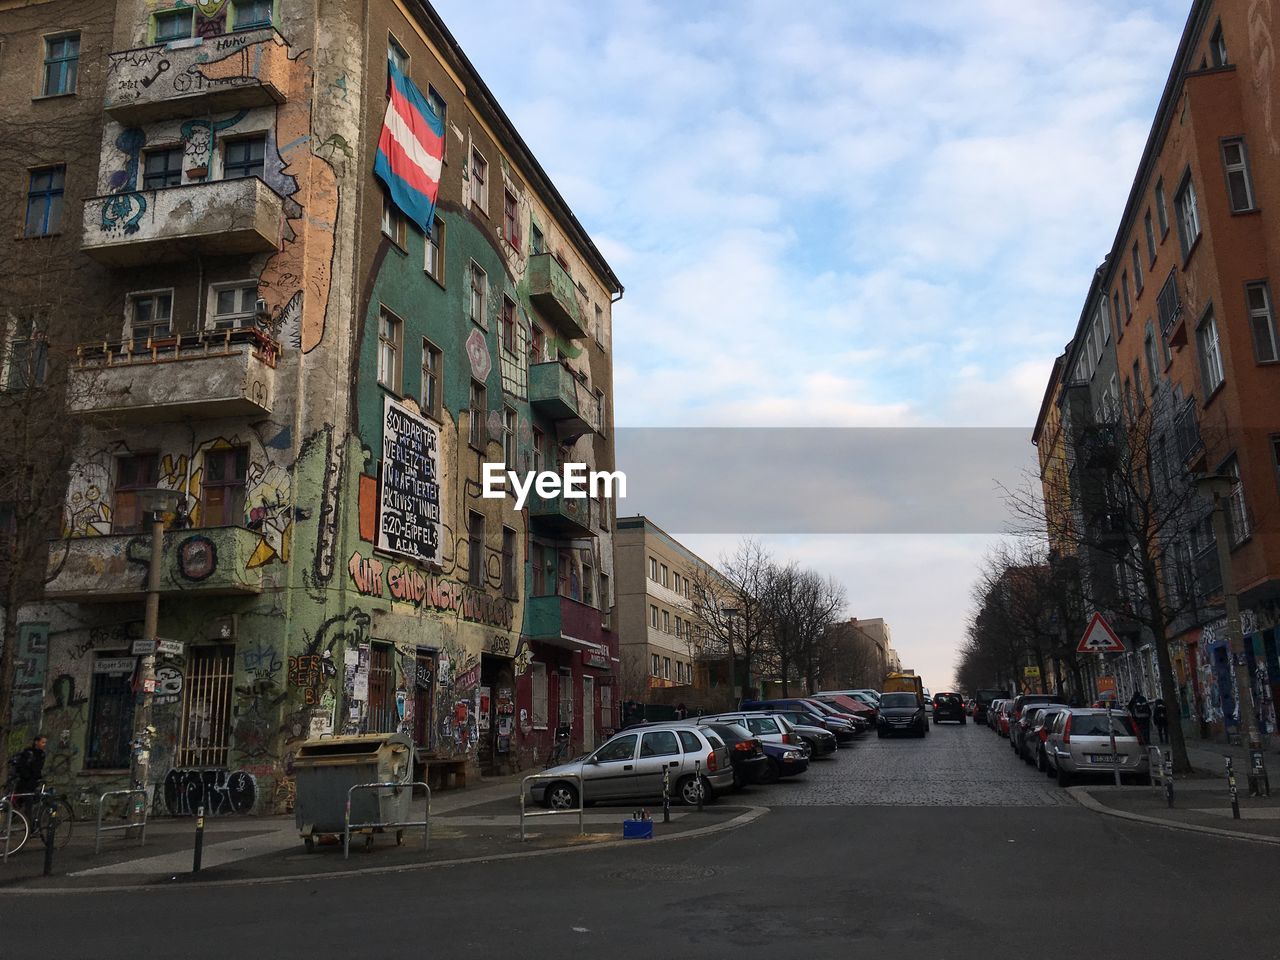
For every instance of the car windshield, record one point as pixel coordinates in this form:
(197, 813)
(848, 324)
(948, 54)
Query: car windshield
(1095, 725)
(898, 700)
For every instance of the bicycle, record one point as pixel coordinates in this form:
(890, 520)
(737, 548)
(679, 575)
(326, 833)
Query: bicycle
(47, 810)
(560, 750)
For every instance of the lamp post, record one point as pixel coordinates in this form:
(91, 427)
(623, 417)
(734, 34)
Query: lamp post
(155, 503)
(1217, 487)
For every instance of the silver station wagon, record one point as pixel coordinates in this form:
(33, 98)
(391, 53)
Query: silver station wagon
(630, 766)
(1079, 745)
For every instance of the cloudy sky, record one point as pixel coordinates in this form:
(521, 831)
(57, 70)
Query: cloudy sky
(841, 214)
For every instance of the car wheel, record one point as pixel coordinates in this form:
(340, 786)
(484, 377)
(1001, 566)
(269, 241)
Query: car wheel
(561, 796)
(687, 789)
(1064, 778)
(880, 733)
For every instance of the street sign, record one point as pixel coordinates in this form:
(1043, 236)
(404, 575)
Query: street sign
(1031, 673)
(172, 648)
(142, 648)
(1099, 638)
(115, 664)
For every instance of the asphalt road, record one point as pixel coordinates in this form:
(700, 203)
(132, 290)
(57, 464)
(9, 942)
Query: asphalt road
(946, 847)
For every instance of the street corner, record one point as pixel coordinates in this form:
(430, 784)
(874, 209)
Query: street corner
(1197, 807)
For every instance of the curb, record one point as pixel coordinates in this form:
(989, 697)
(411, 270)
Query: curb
(1083, 797)
(751, 813)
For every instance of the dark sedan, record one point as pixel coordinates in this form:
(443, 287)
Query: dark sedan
(784, 760)
(902, 713)
(746, 753)
(948, 706)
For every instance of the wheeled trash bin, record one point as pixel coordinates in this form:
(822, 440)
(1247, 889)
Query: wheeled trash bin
(327, 768)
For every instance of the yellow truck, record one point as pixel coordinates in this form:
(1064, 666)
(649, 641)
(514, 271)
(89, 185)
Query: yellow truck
(903, 683)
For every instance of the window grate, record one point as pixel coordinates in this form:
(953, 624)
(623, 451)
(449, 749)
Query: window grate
(204, 735)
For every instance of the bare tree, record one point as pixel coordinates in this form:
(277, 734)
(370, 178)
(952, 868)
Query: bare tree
(802, 606)
(729, 607)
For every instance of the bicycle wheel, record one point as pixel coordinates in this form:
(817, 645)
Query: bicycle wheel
(66, 821)
(19, 829)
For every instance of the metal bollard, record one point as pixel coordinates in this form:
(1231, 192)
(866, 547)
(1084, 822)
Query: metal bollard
(666, 794)
(1168, 780)
(1259, 783)
(195, 863)
(697, 774)
(1231, 785)
(51, 828)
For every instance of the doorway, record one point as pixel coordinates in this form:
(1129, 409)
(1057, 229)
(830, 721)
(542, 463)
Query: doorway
(496, 715)
(588, 712)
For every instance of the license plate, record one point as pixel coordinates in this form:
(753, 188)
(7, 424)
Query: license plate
(1102, 758)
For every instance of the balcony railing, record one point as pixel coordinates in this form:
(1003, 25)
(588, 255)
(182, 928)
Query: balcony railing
(211, 561)
(1169, 309)
(565, 518)
(197, 77)
(218, 373)
(219, 217)
(1186, 433)
(555, 393)
(553, 293)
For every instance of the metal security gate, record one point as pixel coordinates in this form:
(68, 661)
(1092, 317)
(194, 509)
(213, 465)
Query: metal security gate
(204, 736)
(382, 711)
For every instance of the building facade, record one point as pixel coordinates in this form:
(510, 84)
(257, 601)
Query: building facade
(316, 383)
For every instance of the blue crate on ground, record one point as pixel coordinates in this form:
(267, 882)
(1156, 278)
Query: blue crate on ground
(637, 829)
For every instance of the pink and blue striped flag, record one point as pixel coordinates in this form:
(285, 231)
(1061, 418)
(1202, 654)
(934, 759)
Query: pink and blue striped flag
(410, 150)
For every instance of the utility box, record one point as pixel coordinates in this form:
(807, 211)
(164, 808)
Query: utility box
(327, 768)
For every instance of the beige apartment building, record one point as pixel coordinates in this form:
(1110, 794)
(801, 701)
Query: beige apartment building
(659, 640)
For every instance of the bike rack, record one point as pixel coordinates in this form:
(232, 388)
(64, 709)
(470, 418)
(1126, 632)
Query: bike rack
(142, 824)
(348, 826)
(549, 812)
(1155, 764)
(8, 821)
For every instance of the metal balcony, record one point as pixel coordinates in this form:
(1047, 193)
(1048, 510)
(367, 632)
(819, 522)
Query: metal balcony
(212, 561)
(555, 393)
(553, 293)
(1186, 433)
(217, 218)
(220, 373)
(197, 77)
(561, 517)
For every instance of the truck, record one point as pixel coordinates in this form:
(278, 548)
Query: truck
(903, 683)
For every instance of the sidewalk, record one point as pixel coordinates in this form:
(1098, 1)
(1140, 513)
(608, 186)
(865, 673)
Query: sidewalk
(1206, 757)
(1203, 806)
(476, 823)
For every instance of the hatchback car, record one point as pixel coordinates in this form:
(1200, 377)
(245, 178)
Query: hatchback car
(1003, 716)
(948, 706)
(1020, 729)
(1038, 736)
(1079, 745)
(902, 713)
(746, 753)
(630, 766)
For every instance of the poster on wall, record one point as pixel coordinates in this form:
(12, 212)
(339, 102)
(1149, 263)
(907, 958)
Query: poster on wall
(409, 492)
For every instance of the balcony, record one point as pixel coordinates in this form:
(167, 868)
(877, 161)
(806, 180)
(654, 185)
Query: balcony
(1186, 434)
(211, 561)
(563, 622)
(561, 517)
(555, 393)
(197, 77)
(218, 218)
(220, 373)
(554, 295)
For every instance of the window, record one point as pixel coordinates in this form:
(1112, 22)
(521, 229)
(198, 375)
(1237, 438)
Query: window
(1115, 303)
(173, 25)
(599, 325)
(204, 732)
(508, 562)
(659, 743)
(509, 437)
(1188, 215)
(537, 243)
(604, 591)
(380, 711)
(476, 419)
(1211, 374)
(251, 13)
(222, 491)
(150, 317)
(666, 621)
(44, 201)
(655, 665)
(508, 325)
(565, 690)
(1218, 48)
(666, 668)
(1168, 303)
(1275, 457)
(233, 306)
(537, 344)
(479, 282)
(1236, 165)
(663, 578)
(1124, 288)
(244, 158)
(1149, 229)
(511, 219)
(539, 446)
(390, 333)
(1137, 271)
(133, 473)
(1137, 385)
(1237, 510)
(27, 362)
(676, 581)
(475, 548)
(434, 256)
(588, 584)
(679, 628)
(396, 54)
(653, 616)
(1266, 339)
(393, 222)
(1162, 211)
(1149, 350)
(437, 104)
(432, 373)
(61, 65)
(162, 168)
(110, 714)
(538, 683)
(653, 569)
(479, 181)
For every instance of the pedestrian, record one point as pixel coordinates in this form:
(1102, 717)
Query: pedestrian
(681, 712)
(1160, 716)
(1140, 710)
(28, 768)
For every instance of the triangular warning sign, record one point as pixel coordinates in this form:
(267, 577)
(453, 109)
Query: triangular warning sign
(1099, 638)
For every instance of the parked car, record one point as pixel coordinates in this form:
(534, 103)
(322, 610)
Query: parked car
(629, 766)
(859, 717)
(1038, 736)
(843, 729)
(902, 713)
(849, 706)
(1003, 717)
(746, 753)
(1021, 702)
(993, 708)
(982, 702)
(869, 697)
(948, 706)
(819, 740)
(783, 761)
(1020, 731)
(1079, 745)
(772, 728)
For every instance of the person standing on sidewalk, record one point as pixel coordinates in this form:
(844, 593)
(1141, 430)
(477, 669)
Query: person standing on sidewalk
(28, 769)
(1140, 710)
(1160, 716)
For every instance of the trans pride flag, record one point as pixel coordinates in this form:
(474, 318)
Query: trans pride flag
(410, 150)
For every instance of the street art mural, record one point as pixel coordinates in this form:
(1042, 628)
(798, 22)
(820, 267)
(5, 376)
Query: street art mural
(218, 792)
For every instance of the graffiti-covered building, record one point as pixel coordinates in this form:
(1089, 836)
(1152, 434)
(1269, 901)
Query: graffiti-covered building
(315, 383)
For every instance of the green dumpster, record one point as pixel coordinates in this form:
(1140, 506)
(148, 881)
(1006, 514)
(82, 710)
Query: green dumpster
(327, 768)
